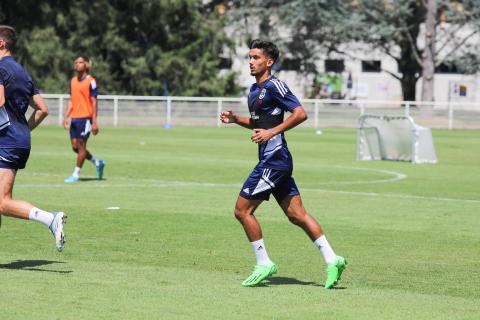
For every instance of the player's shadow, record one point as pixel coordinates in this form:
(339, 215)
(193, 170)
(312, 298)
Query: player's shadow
(274, 281)
(91, 179)
(290, 281)
(32, 265)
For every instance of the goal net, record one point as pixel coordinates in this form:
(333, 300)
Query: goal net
(382, 137)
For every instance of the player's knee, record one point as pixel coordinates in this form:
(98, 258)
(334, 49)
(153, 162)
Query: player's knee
(293, 219)
(240, 214)
(4, 201)
(75, 149)
(296, 218)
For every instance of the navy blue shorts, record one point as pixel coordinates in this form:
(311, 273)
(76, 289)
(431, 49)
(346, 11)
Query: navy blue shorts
(262, 182)
(80, 128)
(14, 158)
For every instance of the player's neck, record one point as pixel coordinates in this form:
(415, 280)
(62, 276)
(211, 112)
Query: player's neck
(5, 53)
(264, 76)
(81, 75)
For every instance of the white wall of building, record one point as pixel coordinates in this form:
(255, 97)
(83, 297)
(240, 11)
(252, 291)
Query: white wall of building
(369, 85)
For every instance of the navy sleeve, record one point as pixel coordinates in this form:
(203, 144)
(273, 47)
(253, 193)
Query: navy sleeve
(35, 89)
(93, 88)
(2, 76)
(286, 99)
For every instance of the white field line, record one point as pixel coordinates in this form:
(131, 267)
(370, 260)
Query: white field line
(395, 176)
(392, 177)
(390, 195)
(155, 183)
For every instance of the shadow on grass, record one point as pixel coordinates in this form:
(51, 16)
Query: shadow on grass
(290, 281)
(31, 265)
(91, 179)
(275, 281)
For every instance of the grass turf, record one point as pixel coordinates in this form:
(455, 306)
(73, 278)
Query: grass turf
(174, 251)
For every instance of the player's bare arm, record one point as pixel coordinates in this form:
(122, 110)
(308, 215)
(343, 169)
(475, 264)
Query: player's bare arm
(67, 114)
(94, 118)
(263, 135)
(2, 96)
(229, 116)
(40, 113)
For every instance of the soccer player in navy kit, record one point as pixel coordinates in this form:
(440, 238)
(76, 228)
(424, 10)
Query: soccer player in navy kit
(268, 99)
(16, 91)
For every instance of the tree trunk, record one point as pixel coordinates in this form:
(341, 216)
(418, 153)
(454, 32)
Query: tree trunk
(428, 56)
(408, 63)
(408, 82)
(410, 70)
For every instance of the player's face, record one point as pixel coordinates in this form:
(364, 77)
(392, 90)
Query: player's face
(259, 62)
(80, 64)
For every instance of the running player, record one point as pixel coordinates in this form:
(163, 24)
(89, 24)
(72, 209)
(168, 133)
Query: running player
(16, 91)
(268, 99)
(82, 108)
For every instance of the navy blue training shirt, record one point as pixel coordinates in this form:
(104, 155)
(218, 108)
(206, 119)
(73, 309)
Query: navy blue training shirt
(267, 102)
(19, 88)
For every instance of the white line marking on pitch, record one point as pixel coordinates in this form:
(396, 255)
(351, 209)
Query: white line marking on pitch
(394, 177)
(151, 183)
(389, 195)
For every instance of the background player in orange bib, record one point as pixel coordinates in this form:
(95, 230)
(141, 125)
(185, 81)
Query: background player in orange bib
(82, 109)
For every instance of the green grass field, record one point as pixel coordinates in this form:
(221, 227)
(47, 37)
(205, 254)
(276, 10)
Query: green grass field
(173, 250)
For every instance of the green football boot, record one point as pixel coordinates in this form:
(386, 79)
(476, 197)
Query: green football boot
(334, 272)
(260, 273)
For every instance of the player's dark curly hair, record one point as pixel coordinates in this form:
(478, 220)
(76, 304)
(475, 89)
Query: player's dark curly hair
(86, 59)
(9, 35)
(269, 48)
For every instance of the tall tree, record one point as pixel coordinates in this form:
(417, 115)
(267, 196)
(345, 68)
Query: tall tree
(312, 29)
(135, 45)
(428, 56)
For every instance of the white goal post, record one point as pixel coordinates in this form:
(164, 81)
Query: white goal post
(386, 137)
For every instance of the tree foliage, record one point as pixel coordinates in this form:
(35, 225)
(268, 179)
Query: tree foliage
(312, 29)
(135, 45)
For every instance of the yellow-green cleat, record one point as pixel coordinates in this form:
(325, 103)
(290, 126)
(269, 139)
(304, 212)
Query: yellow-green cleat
(260, 273)
(334, 272)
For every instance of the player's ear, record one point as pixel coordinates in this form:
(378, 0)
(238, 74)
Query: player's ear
(270, 62)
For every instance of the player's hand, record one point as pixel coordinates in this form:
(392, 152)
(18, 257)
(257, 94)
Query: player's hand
(66, 123)
(228, 116)
(95, 128)
(262, 135)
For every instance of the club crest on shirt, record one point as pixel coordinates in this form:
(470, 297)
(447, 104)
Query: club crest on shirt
(262, 94)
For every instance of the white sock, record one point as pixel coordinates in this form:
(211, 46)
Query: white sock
(41, 216)
(260, 252)
(76, 172)
(325, 249)
(94, 160)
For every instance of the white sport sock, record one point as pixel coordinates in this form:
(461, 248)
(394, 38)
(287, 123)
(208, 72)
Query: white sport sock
(325, 249)
(76, 172)
(94, 160)
(41, 216)
(261, 252)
